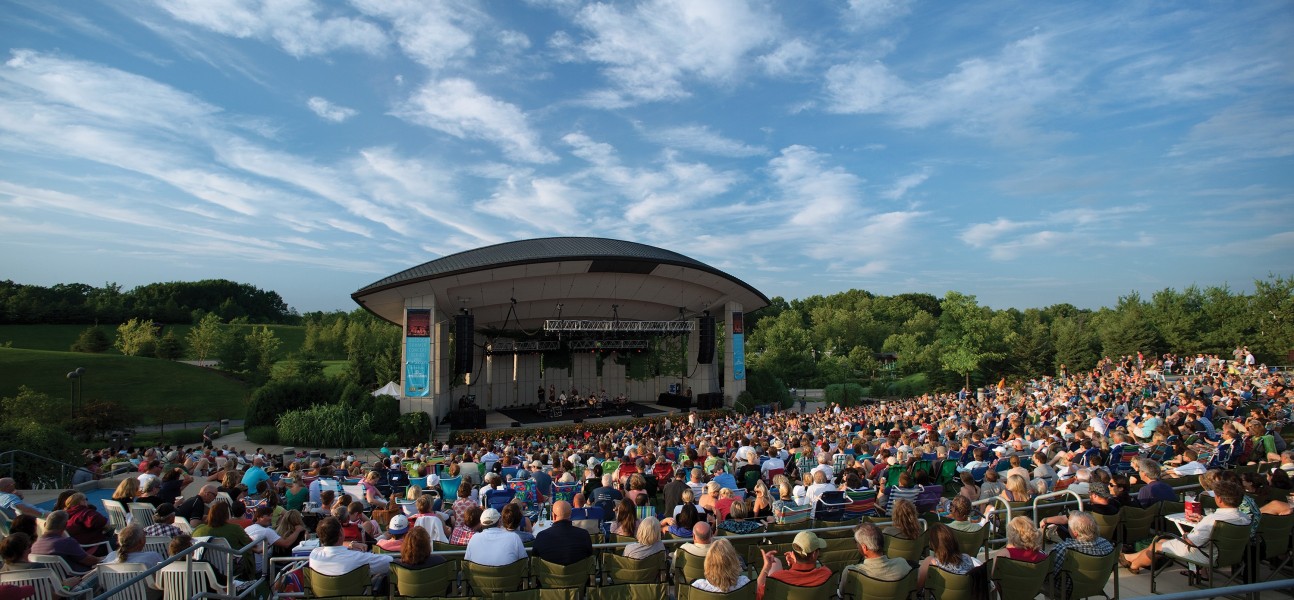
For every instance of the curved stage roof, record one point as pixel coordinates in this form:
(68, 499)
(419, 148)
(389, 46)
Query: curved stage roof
(587, 276)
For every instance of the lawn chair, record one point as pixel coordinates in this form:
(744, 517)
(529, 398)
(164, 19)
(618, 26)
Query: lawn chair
(115, 574)
(854, 585)
(47, 583)
(1018, 579)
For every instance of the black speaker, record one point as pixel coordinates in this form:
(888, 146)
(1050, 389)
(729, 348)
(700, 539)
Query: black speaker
(464, 332)
(705, 345)
(579, 420)
(516, 423)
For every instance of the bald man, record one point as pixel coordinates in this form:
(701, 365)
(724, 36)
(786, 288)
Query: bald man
(702, 535)
(563, 543)
(11, 502)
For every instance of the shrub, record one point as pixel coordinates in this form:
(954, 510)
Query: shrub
(334, 425)
(278, 397)
(41, 439)
(263, 434)
(386, 415)
(910, 386)
(92, 340)
(414, 428)
(844, 394)
(745, 402)
(767, 388)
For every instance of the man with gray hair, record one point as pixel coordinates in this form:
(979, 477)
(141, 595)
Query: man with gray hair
(1086, 538)
(54, 542)
(875, 564)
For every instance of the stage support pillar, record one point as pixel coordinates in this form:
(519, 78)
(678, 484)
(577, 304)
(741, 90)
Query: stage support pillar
(734, 349)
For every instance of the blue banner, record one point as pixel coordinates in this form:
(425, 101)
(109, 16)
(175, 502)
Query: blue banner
(417, 353)
(738, 347)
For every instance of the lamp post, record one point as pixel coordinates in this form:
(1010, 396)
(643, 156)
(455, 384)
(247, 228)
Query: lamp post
(74, 382)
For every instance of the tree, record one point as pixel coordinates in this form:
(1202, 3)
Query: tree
(92, 340)
(262, 348)
(170, 347)
(1273, 310)
(137, 338)
(965, 335)
(205, 338)
(1076, 343)
(1126, 330)
(781, 346)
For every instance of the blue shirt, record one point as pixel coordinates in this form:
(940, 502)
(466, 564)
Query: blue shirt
(254, 476)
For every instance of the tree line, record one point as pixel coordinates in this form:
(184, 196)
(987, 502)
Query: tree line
(168, 302)
(846, 337)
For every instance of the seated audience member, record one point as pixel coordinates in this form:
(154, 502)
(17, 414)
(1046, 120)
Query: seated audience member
(333, 558)
(647, 540)
(54, 542)
(415, 550)
(1023, 541)
(86, 525)
(875, 563)
(130, 548)
(801, 564)
(494, 546)
(945, 554)
(722, 570)
(562, 543)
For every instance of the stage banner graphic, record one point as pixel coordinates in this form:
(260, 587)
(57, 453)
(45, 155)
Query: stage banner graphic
(738, 347)
(417, 353)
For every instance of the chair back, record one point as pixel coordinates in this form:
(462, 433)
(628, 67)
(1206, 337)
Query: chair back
(1087, 574)
(490, 580)
(555, 576)
(629, 591)
(944, 585)
(745, 592)
(202, 580)
(431, 581)
(861, 503)
(115, 574)
(142, 513)
(857, 586)
(497, 499)
(688, 567)
(947, 471)
(449, 487)
(4, 525)
(54, 563)
(892, 475)
(158, 544)
(628, 570)
(565, 492)
(830, 506)
(116, 514)
(1276, 533)
(1230, 541)
(911, 550)
(779, 590)
(610, 467)
(970, 542)
(1017, 579)
(1107, 526)
(793, 515)
(347, 584)
(1137, 522)
(47, 584)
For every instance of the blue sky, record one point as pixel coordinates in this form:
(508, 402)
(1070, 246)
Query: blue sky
(1030, 153)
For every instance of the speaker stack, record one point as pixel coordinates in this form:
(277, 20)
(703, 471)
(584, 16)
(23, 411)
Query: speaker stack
(705, 347)
(464, 334)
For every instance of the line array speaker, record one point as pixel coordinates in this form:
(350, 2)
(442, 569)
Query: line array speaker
(464, 328)
(705, 344)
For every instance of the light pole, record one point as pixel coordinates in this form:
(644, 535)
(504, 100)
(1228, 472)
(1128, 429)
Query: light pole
(74, 382)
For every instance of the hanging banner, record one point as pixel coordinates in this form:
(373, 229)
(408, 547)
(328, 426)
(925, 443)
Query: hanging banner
(417, 352)
(738, 347)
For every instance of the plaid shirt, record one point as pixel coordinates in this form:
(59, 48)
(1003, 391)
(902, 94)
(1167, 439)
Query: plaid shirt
(162, 530)
(1097, 547)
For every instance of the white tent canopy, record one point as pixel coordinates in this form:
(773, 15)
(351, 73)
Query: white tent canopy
(390, 389)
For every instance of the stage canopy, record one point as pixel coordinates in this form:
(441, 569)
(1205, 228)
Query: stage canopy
(519, 285)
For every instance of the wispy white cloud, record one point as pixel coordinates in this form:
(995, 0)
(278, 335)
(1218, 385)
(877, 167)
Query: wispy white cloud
(701, 139)
(458, 108)
(872, 14)
(329, 111)
(434, 34)
(1282, 242)
(1247, 130)
(1068, 230)
(651, 51)
(546, 204)
(293, 24)
(818, 193)
(791, 57)
(906, 183)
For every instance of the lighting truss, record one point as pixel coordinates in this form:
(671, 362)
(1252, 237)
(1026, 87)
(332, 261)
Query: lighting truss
(578, 325)
(506, 346)
(609, 344)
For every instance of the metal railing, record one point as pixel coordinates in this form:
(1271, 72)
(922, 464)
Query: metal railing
(64, 479)
(1231, 590)
(187, 556)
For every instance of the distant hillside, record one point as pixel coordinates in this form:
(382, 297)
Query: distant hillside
(169, 302)
(155, 389)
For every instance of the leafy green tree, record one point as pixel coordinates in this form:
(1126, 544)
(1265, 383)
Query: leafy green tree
(1127, 329)
(137, 338)
(262, 352)
(92, 340)
(1273, 309)
(170, 347)
(1077, 346)
(783, 348)
(206, 337)
(966, 337)
(301, 366)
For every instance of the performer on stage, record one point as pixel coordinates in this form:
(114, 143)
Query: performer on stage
(541, 394)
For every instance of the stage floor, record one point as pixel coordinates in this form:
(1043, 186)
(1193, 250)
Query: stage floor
(528, 416)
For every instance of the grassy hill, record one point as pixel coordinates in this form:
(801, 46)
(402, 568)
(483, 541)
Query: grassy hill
(157, 389)
(59, 338)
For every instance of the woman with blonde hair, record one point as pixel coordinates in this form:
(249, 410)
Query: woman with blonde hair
(1017, 489)
(722, 569)
(1023, 541)
(126, 491)
(762, 506)
(905, 525)
(648, 540)
(131, 543)
(289, 522)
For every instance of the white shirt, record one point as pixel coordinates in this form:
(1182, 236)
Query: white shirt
(144, 478)
(494, 547)
(815, 491)
(772, 463)
(340, 560)
(259, 532)
(826, 470)
(1191, 468)
(1098, 425)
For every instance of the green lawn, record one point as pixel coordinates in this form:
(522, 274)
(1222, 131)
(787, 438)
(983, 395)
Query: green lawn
(59, 338)
(157, 389)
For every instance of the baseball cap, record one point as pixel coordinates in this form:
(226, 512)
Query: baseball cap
(490, 517)
(806, 542)
(399, 524)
